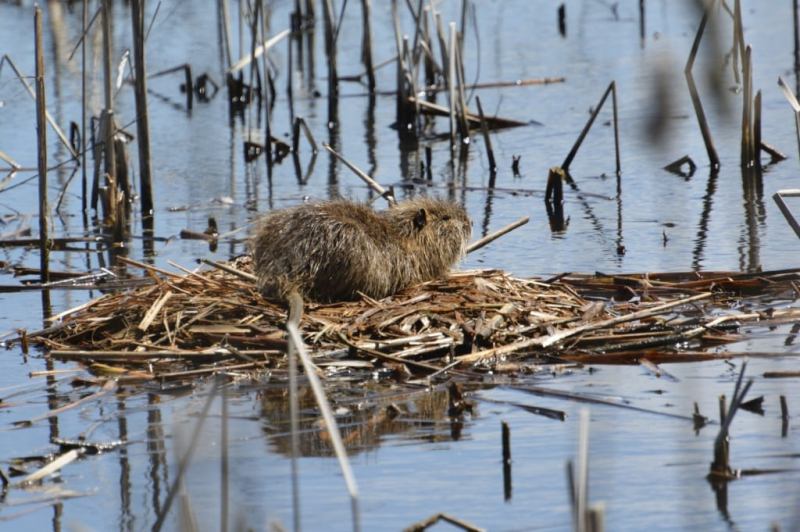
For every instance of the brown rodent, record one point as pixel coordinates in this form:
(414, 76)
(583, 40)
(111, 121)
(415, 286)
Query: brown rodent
(331, 250)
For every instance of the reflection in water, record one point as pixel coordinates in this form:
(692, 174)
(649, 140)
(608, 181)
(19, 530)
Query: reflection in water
(369, 135)
(156, 452)
(755, 216)
(705, 217)
(420, 416)
(127, 519)
(487, 212)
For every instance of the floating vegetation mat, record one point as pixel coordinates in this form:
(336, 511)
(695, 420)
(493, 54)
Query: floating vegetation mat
(184, 325)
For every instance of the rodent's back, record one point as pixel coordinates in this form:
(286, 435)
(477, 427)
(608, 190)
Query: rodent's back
(332, 250)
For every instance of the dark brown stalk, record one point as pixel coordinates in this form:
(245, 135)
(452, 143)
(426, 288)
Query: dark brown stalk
(488, 141)
(698, 105)
(84, 24)
(142, 117)
(366, 43)
(747, 110)
(108, 111)
(41, 148)
(756, 147)
(571, 155)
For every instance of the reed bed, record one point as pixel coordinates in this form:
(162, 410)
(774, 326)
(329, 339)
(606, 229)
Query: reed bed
(181, 326)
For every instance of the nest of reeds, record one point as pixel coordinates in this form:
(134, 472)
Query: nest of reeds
(204, 322)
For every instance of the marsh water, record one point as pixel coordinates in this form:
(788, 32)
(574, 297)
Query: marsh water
(647, 469)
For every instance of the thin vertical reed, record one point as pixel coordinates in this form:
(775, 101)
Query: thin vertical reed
(366, 43)
(488, 141)
(84, 24)
(226, 31)
(747, 110)
(267, 96)
(796, 35)
(41, 149)
(294, 413)
(757, 130)
(142, 116)
(108, 112)
(451, 84)
(298, 348)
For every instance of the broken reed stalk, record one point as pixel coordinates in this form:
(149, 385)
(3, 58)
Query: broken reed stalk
(108, 111)
(41, 149)
(267, 96)
(84, 24)
(298, 348)
(462, 100)
(488, 141)
(612, 89)
(366, 43)
(478, 244)
(756, 147)
(371, 183)
(225, 24)
(696, 103)
(451, 87)
(747, 110)
(142, 117)
(792, 99)
(720, 467)
(330, 52)
(183, 464)
(31, 92)
(787, 213)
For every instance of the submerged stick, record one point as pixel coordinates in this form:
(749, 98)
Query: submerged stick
(41, 149)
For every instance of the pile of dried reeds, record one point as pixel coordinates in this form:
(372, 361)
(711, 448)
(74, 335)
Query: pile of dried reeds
(203, 322)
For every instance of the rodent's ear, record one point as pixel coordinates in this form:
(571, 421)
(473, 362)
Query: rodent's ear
(420, 219)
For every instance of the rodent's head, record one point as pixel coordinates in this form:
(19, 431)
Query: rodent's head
(438, 230)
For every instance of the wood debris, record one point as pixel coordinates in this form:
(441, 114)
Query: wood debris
(196, 324)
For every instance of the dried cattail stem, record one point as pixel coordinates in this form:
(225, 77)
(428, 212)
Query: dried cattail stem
(698, 105)
(366, 43)
(41, 149)
(142, 116)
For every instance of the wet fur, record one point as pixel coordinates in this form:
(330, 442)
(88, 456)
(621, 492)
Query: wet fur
(329, 251)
